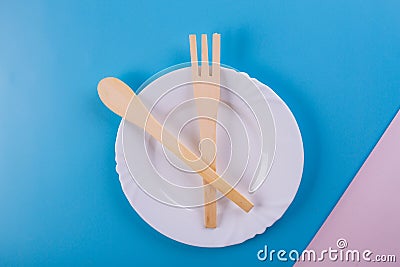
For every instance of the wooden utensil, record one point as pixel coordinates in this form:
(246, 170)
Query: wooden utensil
(118, 96)
(206, 90)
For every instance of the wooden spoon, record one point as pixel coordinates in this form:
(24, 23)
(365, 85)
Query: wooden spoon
(118, 96)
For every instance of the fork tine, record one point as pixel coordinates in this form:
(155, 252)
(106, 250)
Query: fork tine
(216, 53)
(204, 56)
(193, 54)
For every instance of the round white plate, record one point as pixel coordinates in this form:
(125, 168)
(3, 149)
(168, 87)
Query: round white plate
(184, 221)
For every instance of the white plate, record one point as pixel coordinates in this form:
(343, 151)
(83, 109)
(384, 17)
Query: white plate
(158, 206)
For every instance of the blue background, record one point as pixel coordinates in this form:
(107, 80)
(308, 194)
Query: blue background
(335, 63)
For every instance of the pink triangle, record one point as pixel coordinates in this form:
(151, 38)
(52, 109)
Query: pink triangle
(368, 214)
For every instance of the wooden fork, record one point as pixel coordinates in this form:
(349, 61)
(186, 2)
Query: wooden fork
(206, 90)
